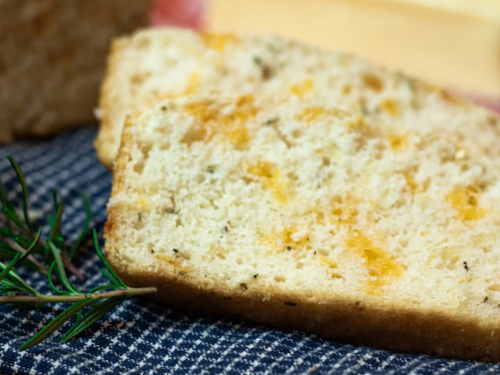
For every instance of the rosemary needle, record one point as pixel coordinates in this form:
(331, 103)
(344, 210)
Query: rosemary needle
(20, 244)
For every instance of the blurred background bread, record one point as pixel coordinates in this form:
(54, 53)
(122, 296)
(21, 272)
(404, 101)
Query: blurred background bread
(451, 43)
(52, 57)
(160, 63)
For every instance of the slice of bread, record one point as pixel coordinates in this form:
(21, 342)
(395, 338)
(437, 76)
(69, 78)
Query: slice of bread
(52, 60)
(153, 65)
(312, 218)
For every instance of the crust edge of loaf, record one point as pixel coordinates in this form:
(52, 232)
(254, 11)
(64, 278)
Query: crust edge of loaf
(104, 143)
(341, 319)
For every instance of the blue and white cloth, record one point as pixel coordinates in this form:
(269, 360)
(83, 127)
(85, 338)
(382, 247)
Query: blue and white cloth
(141, 337)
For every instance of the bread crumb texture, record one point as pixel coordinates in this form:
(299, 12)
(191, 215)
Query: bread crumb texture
(215, 191)
(158, 64)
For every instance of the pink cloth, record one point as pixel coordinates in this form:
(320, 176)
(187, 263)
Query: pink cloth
(180, 13)
(490, 103)
(493, 105)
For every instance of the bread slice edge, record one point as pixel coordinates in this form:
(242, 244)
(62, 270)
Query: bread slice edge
(104, 143)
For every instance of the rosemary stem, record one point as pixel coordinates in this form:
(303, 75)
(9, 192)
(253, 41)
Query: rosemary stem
(21, 230)
(70, 266)
(42, 299)
(15, 245)
(64, 255)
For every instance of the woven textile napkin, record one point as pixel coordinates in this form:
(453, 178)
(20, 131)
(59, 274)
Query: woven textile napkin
(141, 337)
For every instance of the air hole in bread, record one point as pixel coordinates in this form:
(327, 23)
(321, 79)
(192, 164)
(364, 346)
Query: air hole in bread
(404, 242)
(139, 78)
(464, 167)
(292, 176)
(141, 238)
(164, 145)
(142, 42)
(138, 224)
(144, 150)
(139, 167)
(151, 248)
(182, 254)
(494, 287)
(200, 178)
(425, 185)
(194, 134)
(378, 151)
(346, 89)
(450, 259)
(399, 203)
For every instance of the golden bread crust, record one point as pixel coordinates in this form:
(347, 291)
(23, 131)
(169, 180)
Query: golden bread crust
(105, 138)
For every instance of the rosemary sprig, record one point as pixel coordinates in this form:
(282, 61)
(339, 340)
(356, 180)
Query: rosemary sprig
(22, 232)
(21, 245)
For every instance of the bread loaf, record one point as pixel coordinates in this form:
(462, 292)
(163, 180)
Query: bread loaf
(52, 59)
(153, 65)
(452, 43)
(310, 217)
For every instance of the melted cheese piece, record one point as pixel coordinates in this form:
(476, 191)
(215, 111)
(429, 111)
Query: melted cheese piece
(391, 107)
(176, 263)
(269, 175)
(464, 201)
(230, 127)
(381, 268)
(398, 142)
(218, 42)
(303, 88)
(314, 113)
(289, 239)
